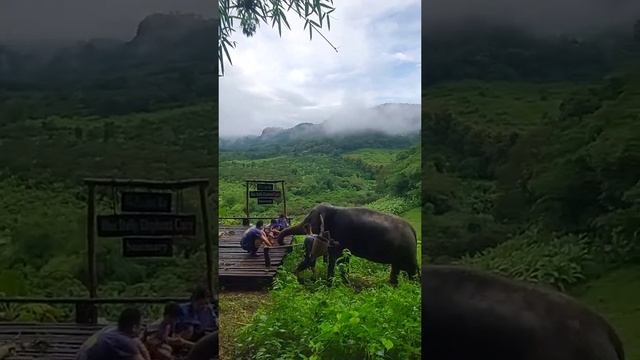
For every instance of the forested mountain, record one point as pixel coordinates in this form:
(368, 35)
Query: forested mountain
(387, 126)
(170, 61)
(531, 161)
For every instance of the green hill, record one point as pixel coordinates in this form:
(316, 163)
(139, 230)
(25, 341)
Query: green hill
(536, 176)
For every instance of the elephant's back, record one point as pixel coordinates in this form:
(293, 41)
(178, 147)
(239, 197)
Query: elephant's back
(519, 319)
(376, 233)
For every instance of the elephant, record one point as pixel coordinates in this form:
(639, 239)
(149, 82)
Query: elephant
(469, 314)
(366, 233)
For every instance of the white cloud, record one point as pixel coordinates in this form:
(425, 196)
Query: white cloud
(283, 81)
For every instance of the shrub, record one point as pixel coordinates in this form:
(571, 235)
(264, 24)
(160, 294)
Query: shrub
(556, 261)
(335, 323)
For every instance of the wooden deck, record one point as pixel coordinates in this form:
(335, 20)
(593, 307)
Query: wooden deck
(236, 267)
(44, 341)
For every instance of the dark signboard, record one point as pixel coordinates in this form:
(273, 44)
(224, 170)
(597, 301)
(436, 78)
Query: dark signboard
(265, 187)
(146, 225)
(147, 247)
(265, 194)
(146, 202)
(262, 201)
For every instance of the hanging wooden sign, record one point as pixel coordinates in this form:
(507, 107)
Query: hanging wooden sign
(147, 247)
(146, 202)
(264, 186)
(265, 194)
(264, 201)
(146, 225)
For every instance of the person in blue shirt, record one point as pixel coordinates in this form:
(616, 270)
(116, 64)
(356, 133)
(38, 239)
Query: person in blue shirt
(282, 222)
(197, 317)
(117, 343)
(253, 237)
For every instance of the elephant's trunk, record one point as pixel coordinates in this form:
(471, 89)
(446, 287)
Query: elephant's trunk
(292, 230)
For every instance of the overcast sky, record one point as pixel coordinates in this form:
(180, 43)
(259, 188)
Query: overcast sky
(284, 81)
(85, 19)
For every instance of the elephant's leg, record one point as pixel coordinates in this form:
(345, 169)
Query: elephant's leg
(395, 270)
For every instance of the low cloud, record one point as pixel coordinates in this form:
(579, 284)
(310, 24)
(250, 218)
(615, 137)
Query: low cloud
(280, 82)
(392, 119)
(73, 20)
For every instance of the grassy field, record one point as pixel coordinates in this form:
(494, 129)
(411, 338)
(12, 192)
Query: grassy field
(615, 296)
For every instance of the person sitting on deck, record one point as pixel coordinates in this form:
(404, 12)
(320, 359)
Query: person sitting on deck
(197, 317)
(117, 343)
(273, 230)
(253, 237)
(161, 338)
(282, 222)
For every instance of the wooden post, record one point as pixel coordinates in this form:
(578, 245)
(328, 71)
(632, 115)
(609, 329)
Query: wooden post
(91, 241)
(267, 258)
(247, 203)
(207, 238)
(284, 200)
(88, 313)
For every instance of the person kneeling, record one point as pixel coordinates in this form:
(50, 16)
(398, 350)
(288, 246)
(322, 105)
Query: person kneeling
(253, 237)
(117, 343)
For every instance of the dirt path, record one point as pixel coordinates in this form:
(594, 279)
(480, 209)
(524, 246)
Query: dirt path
(236, 309)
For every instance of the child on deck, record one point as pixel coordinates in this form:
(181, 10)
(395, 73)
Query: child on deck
(273, 230)
(161, 339)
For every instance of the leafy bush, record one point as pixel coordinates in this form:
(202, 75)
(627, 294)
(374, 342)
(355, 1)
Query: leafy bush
(335, 323)
(556, 261)
(391, 205)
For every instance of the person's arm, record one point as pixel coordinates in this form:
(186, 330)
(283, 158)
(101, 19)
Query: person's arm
(142, 349)
(263, 237)
(179, 341)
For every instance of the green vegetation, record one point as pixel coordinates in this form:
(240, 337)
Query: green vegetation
(118, 112)
(43, 203)
(363, 319)
(533, 174)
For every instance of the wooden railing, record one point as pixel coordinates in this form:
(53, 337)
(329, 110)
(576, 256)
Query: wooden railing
(85, 308)
(247, 220)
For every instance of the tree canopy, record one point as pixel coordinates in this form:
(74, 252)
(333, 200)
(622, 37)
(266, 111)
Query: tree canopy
(251, 13)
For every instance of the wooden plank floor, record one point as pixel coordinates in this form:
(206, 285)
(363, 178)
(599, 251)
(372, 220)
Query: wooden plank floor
(50, 341)
(236, 265)
(45, 341)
